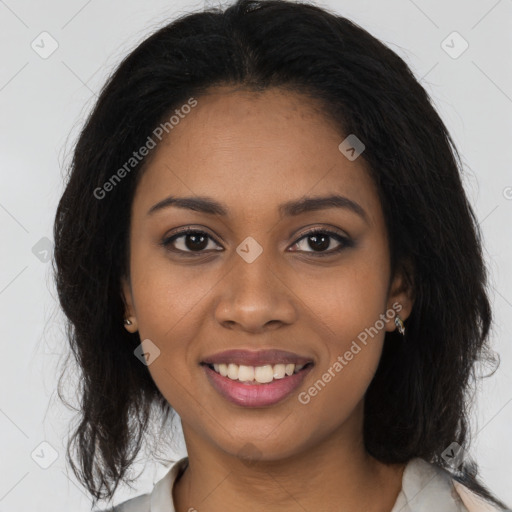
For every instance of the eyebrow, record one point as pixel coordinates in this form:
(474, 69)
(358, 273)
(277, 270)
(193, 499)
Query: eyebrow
(210, 206)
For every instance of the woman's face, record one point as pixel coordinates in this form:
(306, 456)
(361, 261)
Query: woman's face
(252, 281)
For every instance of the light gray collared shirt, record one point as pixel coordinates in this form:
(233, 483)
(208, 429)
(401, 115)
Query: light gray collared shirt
(425, 488)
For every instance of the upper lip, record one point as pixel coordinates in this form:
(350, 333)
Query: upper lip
(256, 358)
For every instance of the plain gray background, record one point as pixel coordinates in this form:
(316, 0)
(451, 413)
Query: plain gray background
(43, 103)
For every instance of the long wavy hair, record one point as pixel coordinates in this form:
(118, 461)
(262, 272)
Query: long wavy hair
(419, 400)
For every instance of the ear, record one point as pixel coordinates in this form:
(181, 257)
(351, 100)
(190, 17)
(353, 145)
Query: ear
(401, 294)
(129, 314)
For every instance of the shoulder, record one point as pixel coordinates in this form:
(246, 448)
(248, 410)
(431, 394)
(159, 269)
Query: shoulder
(473, 502)
(427, 485)
(160, 498)
(140, 503)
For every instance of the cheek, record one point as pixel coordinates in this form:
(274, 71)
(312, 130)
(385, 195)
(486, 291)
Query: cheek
(169, 301)
(167, 295)
(349, 356)
(346, 300)
(346, 309)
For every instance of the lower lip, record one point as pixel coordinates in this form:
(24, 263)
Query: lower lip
(255, 395)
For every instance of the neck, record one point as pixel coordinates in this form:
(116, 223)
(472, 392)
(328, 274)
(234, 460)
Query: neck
(337, 474)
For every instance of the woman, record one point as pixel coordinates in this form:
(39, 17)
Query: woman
(265, 230)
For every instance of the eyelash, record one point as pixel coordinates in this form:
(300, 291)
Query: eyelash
(346, 242)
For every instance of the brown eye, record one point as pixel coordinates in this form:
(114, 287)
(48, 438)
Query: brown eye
(188, 240)
(320, 239)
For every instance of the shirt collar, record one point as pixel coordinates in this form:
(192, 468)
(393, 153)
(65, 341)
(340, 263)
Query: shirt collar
(425, 487)
(161, 496)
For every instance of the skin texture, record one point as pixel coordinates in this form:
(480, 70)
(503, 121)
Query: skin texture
(254, 151)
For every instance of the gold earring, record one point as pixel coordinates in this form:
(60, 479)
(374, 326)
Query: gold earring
(400, 325)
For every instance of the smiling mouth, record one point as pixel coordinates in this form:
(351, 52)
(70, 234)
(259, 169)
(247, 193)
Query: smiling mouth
(265, 385)
(255, 375)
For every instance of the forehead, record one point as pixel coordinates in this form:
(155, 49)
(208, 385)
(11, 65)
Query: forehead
(252, 151)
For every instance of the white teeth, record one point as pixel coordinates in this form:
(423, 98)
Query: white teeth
(279, 371)
(261, 374)
(233, 371)
(245, 373)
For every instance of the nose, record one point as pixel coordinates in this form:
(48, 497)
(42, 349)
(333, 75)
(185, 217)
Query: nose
(255, 296)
